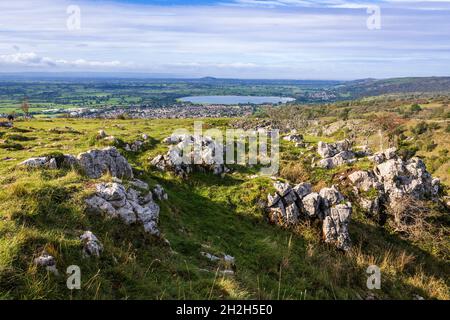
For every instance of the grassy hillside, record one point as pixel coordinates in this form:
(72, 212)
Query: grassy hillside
(44, 210)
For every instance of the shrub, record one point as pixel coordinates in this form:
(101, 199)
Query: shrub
(409, 216)
(433, 126)
(430, 146)
(295, 172)
(415, 108)
(420, 128)
(407, 151)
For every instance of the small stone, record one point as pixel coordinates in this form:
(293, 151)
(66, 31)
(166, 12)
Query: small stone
(139, 184)
(47, 261)
(160, 193)
(91, 245)
(101, 134)
(210, 256)
(227, 273)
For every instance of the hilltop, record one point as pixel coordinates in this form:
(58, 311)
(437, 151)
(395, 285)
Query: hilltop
(44, 210)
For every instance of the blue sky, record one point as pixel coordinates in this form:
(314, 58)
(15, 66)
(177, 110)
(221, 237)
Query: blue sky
(273, 39)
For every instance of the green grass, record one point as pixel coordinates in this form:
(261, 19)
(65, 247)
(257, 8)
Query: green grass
(44, 210)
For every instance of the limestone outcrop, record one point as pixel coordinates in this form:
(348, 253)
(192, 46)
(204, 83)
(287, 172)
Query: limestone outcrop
(335, 154)
(290, 205)
(131, 206)
(393, 180)
(188, 154)
(50, 162)
(94, 163)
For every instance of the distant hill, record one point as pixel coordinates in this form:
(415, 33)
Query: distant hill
(374, 87)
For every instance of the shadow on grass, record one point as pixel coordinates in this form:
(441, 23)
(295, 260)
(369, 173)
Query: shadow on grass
(261, 250)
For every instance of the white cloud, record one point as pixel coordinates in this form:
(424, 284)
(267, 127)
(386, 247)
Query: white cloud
(31, 59)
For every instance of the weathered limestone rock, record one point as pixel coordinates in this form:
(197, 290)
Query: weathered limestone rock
(160, 193)
(282, 188)
(390, 153)
(381, 157)
(311, 205)
(210, 256)
(331, 196)
(139, 184)
(135, 146)
(377, 158)
(130, 206)
(101, 134)
(51, 162)
(302, 189)
(111, 139)
(189, 153)
(335, 226)
(364, 151)
(391, 181)
(297, 138)
(324, 150)
(175, 139)
(95, 163)
(335, 154)
(47, 261)
(409, 177)
(364, 180)
(227, 262)
(39, 162)
(288, 206)
(6, 124)
(328, 150)
(91, 245)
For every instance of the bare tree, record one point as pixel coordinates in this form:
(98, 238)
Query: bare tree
(25, 107)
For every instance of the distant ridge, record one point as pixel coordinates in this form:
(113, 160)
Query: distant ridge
(374, 87)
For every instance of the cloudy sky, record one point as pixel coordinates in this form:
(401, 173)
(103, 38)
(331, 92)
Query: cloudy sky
(277, 39)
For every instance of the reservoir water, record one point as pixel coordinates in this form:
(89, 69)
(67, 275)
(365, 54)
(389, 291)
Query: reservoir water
(235, 100)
